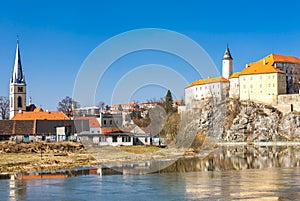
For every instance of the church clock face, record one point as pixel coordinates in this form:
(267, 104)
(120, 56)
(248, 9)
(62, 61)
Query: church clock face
(20, 89)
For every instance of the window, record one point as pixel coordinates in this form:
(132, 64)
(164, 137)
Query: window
(251, 78)
(20, 101)
(126, 139)
(104, 122)
(20, 89)
(260, 77)
(11, 102)
(269, 85)
(114, 139)
(110, 122)
(260, 85)
(102, 139)
(146, 139)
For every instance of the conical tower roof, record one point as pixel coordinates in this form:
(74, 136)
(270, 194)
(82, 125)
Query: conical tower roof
(227, 54)
(18, 75)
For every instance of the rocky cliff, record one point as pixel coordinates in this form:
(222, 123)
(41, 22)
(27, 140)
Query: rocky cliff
(247, 121)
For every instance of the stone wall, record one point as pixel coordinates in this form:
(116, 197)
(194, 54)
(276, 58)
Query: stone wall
(286, 103)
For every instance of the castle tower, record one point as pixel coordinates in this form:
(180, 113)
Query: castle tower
(227, 64)
(17, 91)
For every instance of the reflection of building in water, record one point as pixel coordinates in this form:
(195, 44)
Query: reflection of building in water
(247, 182)
(17, 189)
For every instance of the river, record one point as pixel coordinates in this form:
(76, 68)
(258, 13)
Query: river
(232, 173)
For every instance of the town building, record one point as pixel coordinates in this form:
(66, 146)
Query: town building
(290, 65)
(216, 88)
(87, 112)
(261, 82)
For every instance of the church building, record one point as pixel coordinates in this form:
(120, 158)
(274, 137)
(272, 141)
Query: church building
(17, 91)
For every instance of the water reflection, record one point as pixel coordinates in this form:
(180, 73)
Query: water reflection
(239, 158)
(249, 173)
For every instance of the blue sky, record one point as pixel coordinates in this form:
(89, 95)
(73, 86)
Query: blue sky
(56, 37)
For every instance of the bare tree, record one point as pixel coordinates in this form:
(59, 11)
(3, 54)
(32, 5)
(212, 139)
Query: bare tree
(4, 107)
(67, 105)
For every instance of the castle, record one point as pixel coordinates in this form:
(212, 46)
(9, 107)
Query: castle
(273, 80)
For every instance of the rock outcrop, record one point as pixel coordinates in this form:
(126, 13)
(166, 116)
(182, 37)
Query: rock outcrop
(248, 121)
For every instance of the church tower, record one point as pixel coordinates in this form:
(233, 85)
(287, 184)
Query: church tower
(227, 64)
(17, 87)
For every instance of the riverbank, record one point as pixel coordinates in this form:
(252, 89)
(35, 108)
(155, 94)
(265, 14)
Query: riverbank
(42, 156)
(35, 157)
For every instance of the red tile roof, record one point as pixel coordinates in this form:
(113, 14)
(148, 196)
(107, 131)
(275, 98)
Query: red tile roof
(39, 114)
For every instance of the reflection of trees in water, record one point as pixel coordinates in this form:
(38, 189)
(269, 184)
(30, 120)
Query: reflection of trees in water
(238, 158)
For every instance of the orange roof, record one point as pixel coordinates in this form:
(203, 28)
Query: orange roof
(235, 75)
(39, 114)
(107, 130)
(93, 121)
(207, 81)
(259, 68)
(272, 58)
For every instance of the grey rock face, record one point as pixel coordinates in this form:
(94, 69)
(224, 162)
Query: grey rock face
(249, 121)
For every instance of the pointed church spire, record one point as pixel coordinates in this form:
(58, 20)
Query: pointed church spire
(18, 75)
(227, 54)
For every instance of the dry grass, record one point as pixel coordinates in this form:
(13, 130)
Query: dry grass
(16, 162)
(140, 149)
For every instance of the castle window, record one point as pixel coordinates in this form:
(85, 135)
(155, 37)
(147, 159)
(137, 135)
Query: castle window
(19, 101)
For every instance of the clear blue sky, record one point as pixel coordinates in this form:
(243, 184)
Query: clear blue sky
(56, 36)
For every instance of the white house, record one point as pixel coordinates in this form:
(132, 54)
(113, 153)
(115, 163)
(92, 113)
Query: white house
(216, 88)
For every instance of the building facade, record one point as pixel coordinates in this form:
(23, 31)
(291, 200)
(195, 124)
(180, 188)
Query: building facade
(259, 82)
(234, 90)
(290, 65)
(216, 88)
